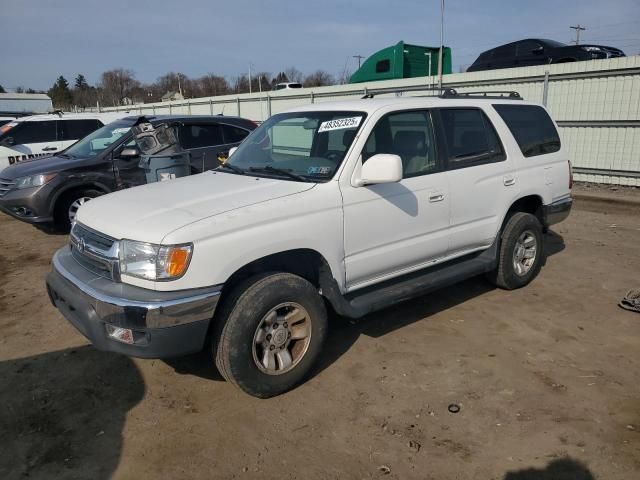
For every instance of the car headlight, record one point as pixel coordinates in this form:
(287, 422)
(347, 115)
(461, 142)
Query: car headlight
(154, 262)
(34, 180)
(591, 49)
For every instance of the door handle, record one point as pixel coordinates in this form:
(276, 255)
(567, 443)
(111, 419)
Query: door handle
(49, 149)
(438, 197)
(508, 181)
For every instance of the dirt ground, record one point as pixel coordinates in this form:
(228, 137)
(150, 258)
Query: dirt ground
(547, 379)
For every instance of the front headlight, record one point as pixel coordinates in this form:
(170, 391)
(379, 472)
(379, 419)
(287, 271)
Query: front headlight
(34, 180)
(154, 262)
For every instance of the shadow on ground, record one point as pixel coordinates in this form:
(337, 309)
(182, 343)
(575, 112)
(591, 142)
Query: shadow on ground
(344, 332)
(62, 413)
(562, 469)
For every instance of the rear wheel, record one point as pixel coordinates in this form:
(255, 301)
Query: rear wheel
(521, 252)
(68, 206)
(270, 331)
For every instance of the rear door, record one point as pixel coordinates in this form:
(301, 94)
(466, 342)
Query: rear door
(530, 52)
(70, 131)
(29, 140)
(480, 175)
(203, 141)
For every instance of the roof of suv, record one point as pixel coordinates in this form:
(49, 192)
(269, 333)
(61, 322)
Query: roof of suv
(370, 105)
(104, 117)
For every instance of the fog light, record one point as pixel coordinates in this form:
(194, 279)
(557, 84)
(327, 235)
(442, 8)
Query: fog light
(124, 335)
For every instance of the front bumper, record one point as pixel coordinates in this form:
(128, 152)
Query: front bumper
(164, 324)
(30, 205)
(556, 212)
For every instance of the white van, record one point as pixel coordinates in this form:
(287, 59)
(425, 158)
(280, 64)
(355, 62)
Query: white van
(42, 135)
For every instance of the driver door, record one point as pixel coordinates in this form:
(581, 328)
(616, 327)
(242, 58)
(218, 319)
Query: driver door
(394, 228)
(31, 139)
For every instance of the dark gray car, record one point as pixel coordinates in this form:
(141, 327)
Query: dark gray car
(51, 189)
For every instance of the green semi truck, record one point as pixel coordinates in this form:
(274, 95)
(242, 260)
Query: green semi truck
(402, 61)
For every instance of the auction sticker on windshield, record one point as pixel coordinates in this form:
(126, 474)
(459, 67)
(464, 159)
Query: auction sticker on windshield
(340, 123)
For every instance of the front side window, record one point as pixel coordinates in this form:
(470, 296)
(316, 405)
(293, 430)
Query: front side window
(99, 140)
(302, 146)
(470, 137)
(77, 129)
(25, 133)
(199, 136)
(532, 128)
(408, 135)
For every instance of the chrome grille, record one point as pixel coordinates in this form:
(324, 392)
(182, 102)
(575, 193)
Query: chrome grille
(6, 185)
(95, 251)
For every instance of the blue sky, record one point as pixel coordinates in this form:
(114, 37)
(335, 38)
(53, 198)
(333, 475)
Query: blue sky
(42, 39)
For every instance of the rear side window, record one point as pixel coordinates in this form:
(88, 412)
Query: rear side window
(470, 138)
(33, 132)
(532, 128)
(233, 134)
(198, 136)
(77, 129)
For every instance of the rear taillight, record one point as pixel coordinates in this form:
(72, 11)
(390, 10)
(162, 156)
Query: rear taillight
(570, 175)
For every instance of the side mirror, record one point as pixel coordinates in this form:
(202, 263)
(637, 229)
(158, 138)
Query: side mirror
(130, 152)
(381, 168)
(232, 151)
(538, 50)
(9, 141)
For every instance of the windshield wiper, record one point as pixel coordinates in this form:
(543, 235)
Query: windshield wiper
(233, 168)
(282, 171)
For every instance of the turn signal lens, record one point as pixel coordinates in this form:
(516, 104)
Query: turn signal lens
(176, 262)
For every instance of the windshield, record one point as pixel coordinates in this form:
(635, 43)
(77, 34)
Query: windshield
(98, 141)
(307, 145)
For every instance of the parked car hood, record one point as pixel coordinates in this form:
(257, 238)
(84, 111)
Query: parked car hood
(150, 212)
(35, 166)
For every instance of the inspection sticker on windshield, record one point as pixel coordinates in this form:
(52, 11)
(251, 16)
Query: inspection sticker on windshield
(319, 170)
(339, 123)
(120, 130)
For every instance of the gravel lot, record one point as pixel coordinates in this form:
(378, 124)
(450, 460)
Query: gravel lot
(547, 379)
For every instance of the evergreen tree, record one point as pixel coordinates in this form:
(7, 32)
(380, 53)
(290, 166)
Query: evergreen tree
(81, 82)
(2, 90)
(60, 94)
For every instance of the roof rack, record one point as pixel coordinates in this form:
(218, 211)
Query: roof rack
(445, 92)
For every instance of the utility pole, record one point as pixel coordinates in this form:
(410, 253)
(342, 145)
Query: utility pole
(578, 28)
(250, 77)
(441, 53)
(359, 57)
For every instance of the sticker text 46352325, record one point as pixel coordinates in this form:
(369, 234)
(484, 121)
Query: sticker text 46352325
(340, 123)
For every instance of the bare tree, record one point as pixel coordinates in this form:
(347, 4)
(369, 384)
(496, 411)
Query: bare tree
(319, 78)
(211, 85)
(117, 86)
(293, 75)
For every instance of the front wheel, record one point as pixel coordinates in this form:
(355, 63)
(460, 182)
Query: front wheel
(521, 252)
(272, 328)
(68, 206)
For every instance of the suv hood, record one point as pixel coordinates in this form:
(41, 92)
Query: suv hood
(35, 166)
(150, 212)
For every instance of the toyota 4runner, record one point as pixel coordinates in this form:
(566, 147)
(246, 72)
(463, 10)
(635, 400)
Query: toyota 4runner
(357, 205)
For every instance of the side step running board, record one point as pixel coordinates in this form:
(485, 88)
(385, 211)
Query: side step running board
(370, 299)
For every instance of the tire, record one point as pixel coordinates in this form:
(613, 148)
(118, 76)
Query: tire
(64, 205)
(246, 326)
(521, 232)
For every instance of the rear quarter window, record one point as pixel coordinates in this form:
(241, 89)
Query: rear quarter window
(532, 128)
(77, 129)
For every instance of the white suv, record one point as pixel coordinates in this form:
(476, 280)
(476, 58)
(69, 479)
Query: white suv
(41, 135)
(358, 204)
